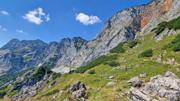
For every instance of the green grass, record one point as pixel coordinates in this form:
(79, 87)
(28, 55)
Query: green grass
(118, 49)
(132, 43)
(51, 92)
(97, 62)
(146, 53)
(175, 44)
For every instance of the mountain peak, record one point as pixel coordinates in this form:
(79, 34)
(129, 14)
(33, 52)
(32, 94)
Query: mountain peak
(16, 43)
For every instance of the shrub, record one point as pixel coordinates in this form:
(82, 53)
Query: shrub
(40, 72)
(132, 43)
(2, 94)
(160, 28)
(51, 92)
(118, 49)
(175, 44)
(112, 63)
(12, 93)
(96, 62)
(56, 75)
(146, 53)
(173, 24)
(91, 71)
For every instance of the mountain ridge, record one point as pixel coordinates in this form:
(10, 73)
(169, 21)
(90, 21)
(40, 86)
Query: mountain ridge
(121, 27)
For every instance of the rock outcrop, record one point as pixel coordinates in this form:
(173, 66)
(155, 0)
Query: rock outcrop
(160, 88)
(135, 82)
(29, 83)
(78, 91)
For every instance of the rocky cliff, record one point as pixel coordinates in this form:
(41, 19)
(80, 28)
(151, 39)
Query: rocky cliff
(124, 25)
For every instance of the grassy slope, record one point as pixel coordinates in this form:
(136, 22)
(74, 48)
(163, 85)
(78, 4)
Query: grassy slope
(96, 83)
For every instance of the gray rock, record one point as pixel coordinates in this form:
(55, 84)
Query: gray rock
(136, 95)
(165, 87)
(78, 91)
(110, 84)
(135, 82)
(111, 77)
(144, 75)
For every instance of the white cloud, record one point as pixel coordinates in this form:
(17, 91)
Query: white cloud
(3, 29)
(87, 19)
(21, 31)
(37, 16)
(48, 18)
(3, 12)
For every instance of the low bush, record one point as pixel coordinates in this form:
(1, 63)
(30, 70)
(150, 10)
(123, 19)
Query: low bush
(173, 24)
(175, 44)
(146, 53)
(92, 72)
(132, 43)
(96, 62)
(118, 49)
(2, 94)
(56, 75)
(112, 63)
(51, 92)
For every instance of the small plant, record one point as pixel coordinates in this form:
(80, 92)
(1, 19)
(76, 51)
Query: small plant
(118, 49)
(132, 43)
(146, 53)
(175, 44)
(112, 63)
(2, 94)
(51, 92)
(173, 24)
(96, 62)
(56, 75)
(92, 72)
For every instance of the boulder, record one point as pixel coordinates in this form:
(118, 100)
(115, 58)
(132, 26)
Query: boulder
(143, 75)
(136, 95)
(78, 91)
(110, 84)
(163, 87)
(135, 82)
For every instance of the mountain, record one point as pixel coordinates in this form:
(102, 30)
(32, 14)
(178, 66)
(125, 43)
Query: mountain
(123, 26)
(126, 61)
(137, 70)
(19, 55)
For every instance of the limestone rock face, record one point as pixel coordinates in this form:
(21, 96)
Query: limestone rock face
(18, 55)
(124, 25)
(165, 87)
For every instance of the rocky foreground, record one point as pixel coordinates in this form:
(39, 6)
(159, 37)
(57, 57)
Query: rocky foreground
(160, 88)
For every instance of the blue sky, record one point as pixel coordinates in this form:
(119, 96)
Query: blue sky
(52, 20)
